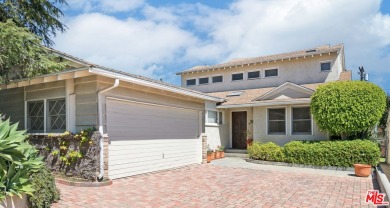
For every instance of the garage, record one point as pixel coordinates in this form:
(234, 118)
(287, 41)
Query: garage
(146, 137)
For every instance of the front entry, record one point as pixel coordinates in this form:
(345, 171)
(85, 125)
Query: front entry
(239, 127)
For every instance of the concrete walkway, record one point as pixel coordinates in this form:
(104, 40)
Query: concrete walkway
(235, 162)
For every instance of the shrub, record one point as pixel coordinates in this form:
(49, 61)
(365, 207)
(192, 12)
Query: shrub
(46, 191)
(18, 159)
(268, 151)
(347, 107)
(332, 153)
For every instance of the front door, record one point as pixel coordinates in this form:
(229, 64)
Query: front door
(239, 127)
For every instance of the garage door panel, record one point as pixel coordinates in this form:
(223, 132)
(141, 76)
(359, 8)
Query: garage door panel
(151, 167)
(146, 138)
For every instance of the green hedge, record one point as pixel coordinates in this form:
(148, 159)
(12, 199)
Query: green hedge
(319, 153)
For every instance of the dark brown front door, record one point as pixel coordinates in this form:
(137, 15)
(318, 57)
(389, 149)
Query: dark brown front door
(239, 127)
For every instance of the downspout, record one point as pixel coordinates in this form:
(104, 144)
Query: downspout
(102, 135)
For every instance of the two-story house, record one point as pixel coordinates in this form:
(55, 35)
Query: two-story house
(266, 98)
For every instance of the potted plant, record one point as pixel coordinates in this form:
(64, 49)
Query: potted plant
(222, 151)
(362, 170)
(210, 154)
(217, 153)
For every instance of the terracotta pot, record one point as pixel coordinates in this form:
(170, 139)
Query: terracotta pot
(217, 154)
(208, 158)
(362, 170)
(222, 154)
(212, 156)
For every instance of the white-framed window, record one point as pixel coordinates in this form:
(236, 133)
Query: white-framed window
(301, 120)
(271, 72)
(46, 116)
(326, 66)
(237, 76)
(217, 79)
(190, 82)
(254, 74)
(276, 121)
(203, 80)
(214, 117)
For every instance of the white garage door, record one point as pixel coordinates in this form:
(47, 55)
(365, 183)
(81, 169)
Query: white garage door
(146, 138)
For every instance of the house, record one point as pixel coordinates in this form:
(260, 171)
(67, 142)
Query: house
(147, 125)
(266, 98)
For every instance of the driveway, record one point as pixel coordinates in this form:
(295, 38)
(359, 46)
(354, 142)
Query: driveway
(226, 183)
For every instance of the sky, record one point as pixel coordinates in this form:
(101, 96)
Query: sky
(157, 38)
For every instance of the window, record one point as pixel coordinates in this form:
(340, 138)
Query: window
(204, 80)
(239, 76)
(217, 79)
(277, 121)
(254, 75)
(55, 120)
(36, 116)
(271, 72)
(191, 82)
(220, 118)
(214, 117)
(301, 120)
(325, 66)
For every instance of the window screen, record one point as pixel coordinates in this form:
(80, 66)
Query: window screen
(271, 72)
(217, 79)
(239, 76)
(276, 121)
(204, 80)
(191, 82)
(254, 75)
(301, 120)
(325, 66)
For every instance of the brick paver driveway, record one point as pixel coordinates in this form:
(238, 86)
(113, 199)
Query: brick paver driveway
(218, 186)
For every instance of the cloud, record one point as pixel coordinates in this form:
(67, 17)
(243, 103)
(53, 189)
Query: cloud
(158, 41)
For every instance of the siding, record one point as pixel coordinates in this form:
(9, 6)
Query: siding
(12, 105)
(85, 89)
(301, 71)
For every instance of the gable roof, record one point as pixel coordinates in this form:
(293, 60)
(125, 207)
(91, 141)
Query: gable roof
(250, 97)
(286, 85)
(254, 60)
(91, 68)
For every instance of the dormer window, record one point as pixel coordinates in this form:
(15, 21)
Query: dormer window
(254, 75)
(325, 66)
(204, 80)
(191, 82)
(271, 73)
(238, 76)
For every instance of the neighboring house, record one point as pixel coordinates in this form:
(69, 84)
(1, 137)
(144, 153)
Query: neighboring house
(266, 98)
(149, 125)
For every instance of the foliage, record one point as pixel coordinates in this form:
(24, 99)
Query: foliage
(22, 56)
(268, 151)
(41, 17)
(221, 148)
(347, 107)
(383, 120)
(46, 191)
(18, 159)
(319, 153)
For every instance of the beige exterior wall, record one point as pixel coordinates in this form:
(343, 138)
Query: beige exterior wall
(260, 128)
(301, 71)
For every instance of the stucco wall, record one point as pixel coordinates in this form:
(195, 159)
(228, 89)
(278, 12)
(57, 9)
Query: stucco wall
(299, 71)
(260, 128)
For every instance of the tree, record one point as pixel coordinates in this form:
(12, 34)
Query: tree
(347, 107)
(22, 56)
(41, 17)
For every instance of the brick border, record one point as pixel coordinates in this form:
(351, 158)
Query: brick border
(299, 165)
(83, 184)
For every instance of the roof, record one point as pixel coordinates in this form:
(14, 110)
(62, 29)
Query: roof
(254, 60)
(105, 71)
(249, 96)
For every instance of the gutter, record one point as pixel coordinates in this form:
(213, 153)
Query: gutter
(102, 135)
(302, 101)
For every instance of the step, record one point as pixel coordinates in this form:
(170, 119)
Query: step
(240, 155)
(241, 151)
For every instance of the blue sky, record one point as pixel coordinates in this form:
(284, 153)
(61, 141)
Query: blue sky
(159, 38)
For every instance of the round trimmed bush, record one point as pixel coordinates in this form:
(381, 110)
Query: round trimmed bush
(347, 107)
